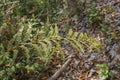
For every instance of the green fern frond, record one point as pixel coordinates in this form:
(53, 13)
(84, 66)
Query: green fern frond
(1, 48)
(49, 44)
(3, 57)
(33, 48)
(27, 33)
(46, 48)
(56, 32)
(42, 45)
(70, 32)
(51, 32)
(75, 35)
(15, 53)
(25, 52)
(17, 38)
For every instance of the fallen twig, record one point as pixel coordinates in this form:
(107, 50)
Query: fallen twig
(65, 65)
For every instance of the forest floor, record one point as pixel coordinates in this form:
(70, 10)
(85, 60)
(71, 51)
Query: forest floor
(27, 28)
(90, 66)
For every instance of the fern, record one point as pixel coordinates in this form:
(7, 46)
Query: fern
(25, 52)
(3, 57)
(15, 52)
(25, 49)
(44, 47)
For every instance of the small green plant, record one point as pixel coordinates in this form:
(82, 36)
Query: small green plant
(31, 48)
(93, 16)
(27, 44)
(104, 72)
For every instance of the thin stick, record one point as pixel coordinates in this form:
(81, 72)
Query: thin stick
(57, 74)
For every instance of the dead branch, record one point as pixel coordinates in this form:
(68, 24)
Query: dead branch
(65, 65)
